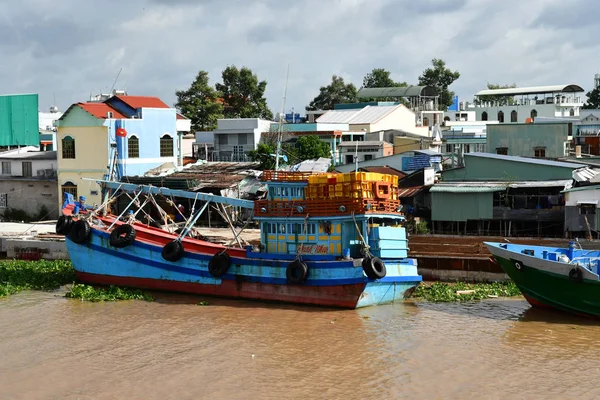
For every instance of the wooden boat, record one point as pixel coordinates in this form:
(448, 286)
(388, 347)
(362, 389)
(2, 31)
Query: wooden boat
(326, 239)
(562, 278)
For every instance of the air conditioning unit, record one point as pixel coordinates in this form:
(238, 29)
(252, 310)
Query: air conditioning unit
(41, 173)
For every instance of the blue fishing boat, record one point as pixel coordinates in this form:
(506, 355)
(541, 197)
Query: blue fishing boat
(333, 240)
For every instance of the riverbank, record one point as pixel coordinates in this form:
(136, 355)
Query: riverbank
(44, 275)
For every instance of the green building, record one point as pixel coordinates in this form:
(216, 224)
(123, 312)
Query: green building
(540, 140)
(502, 195)
(19, 124)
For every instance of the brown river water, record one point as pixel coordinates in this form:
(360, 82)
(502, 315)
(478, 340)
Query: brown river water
(54, 348)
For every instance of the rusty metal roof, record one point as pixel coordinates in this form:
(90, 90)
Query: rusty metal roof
(410, 191)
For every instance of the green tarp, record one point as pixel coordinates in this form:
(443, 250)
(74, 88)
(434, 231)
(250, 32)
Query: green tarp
(19, 120)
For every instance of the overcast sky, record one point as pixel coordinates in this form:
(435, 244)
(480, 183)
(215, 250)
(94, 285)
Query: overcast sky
(71, 48)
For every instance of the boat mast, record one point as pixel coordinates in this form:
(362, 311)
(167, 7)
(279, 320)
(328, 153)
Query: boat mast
(281, 114)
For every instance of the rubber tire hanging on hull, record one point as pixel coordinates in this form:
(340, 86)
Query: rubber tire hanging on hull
(122, 236)
(296, 272)
(374, 267)
(80, 231)
(173, 251)
(63, 225)
(219, 264)
(576, 275)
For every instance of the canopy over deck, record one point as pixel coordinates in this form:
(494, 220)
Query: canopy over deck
(531, 90)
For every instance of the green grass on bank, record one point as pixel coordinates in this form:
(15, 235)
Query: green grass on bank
(18, 275)
(441, 292)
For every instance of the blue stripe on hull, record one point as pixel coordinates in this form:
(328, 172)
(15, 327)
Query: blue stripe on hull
(376, 293)
(143, 260)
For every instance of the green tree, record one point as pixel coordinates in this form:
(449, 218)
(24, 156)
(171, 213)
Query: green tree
(262, 154)
(200, 103)
(310, 147)
(243, 94)
(502, 100)
(379, 78)
(441, 78)
(337, 92)
(593, 99)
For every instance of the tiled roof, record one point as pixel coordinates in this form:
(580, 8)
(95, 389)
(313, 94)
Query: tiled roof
(100, 110)
(143, 101)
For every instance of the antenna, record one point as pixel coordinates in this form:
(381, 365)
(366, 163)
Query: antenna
(115, 82)
(279, 133)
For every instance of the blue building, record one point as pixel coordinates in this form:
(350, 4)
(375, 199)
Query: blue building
(127, 135)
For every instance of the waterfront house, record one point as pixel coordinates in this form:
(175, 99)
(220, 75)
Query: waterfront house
(28, 181)
(234, 138)
(501, 195)
(352, 152)
(518, 105)
(128, 135)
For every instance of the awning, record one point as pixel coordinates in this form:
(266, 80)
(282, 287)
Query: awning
(587, 202)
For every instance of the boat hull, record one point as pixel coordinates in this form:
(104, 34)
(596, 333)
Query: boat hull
(546, 284)
(331, 283)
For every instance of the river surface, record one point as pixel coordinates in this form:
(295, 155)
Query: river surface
(55, 348)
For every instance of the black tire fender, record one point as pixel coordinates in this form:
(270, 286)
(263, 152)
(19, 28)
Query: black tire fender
(296, 272)
(63, 224)
(576, 275)
(219, 264)
(173, 251)
(80, 231)
(122, 236)
(374, 267)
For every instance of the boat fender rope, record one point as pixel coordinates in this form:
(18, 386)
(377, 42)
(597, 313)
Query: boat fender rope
(63, 224)
(80, 231)
(219, 264)
(374, 267)
(122, 236)
(576, 275)
(296, 272)
(173, 251)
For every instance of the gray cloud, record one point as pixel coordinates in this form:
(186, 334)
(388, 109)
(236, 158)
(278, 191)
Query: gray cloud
(71, 48)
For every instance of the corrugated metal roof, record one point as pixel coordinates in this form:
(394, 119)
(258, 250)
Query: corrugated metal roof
(384, 170)
(366, 115)
(527, 160)
(33, 155)
(403, 91)
(530, 90)
(585, 174)
(409, 192)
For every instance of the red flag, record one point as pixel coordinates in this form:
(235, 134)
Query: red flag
(121, 132)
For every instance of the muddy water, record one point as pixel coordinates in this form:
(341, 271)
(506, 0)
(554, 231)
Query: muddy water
(53, 348)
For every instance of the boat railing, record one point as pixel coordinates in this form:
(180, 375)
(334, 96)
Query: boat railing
(330, 207)
(286, 176)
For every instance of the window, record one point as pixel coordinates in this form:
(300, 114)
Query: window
(69, 187)
(572, 112)
(133, 147)
(533, 114)
(539, 152)
(242, 138)
(502, 150)
(5, 167)
(349, 158)
(3, 200)
(484, 116)
(223, 139)
(68, 147)
(513, 116)
(26, 168)
(166, 146)
(368, 157)
(501, 117)
(587, 209)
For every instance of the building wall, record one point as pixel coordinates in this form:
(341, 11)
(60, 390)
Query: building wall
(489, 169)
(402, 144)
(30, 194)
(461, 206)
(574, 220)
(521, 139)
(16, 166)
(525, 111)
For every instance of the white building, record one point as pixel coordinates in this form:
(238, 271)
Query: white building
(375, 118)
(28, 181)
(234, 138)
(520, 104)
(359, 151)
